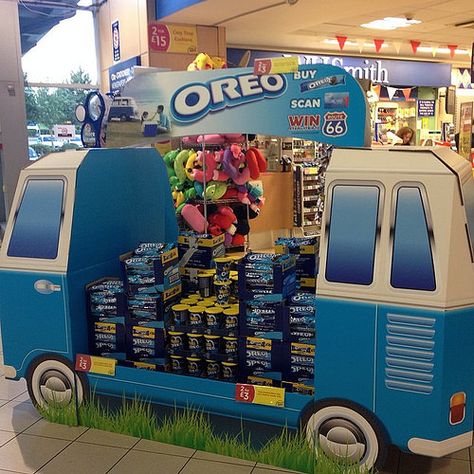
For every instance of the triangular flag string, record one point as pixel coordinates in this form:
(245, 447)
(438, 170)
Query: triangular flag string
(406, 92)
(378, 44)
(397, 45)
(342, 41)
(414, 45)
(391, 91)
(360, 45)
(434, 50)
(452, 49)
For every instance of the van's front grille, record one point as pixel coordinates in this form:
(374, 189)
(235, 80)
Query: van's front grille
(409, 353)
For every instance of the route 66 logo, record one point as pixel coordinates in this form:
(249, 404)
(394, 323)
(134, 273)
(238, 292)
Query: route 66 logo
(335, 124)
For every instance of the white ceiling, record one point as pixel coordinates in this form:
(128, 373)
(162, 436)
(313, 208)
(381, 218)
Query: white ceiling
(309, 24)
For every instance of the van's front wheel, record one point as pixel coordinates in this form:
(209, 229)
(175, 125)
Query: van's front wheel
(51, 381)
(346, 433)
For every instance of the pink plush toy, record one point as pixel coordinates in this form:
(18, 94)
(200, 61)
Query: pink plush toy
(198, 174)
(194, 217)
(214, 139)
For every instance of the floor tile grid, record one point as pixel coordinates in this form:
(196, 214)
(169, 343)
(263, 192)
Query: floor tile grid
(126, 452)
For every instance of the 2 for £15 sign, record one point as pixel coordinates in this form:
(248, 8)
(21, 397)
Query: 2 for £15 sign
(172, 38)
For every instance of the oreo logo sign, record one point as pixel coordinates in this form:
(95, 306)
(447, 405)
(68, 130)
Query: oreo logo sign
(194, 101)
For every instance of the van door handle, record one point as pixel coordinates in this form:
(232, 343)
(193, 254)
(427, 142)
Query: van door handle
(46, 287)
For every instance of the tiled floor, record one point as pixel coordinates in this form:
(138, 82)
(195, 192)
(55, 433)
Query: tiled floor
(29, 444)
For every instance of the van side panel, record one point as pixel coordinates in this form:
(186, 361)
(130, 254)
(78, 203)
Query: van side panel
(421, 365)
(345, 350)
(32, 323)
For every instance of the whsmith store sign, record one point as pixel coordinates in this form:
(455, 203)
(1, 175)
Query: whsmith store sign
(382, 71)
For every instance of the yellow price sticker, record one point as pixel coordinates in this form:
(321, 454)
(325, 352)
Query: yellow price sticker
(95, 365)
(275, 65)
(261, 395)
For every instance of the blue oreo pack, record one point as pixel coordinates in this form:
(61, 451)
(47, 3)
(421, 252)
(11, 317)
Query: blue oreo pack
(106, 298)
(266, 274)
(302, 318)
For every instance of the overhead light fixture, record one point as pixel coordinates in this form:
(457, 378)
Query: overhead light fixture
(390, 23)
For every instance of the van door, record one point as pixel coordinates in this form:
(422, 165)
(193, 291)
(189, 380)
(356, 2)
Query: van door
(33, 302)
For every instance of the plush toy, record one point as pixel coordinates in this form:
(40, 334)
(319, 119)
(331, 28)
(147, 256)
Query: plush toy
(203, 61)
(194, 217)
(233, 158)
(179, 165)
(215, 190)
(223, 221)
(210, 162)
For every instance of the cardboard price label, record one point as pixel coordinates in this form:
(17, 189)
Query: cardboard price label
(261, 395)
(275, 65)
(95, 365)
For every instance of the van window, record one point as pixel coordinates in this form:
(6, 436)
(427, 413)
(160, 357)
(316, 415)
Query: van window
(38, 220)
(468, 196)
(412, 259)
(352, 234)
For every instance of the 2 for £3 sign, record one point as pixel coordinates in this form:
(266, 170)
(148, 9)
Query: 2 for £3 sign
(172, 38)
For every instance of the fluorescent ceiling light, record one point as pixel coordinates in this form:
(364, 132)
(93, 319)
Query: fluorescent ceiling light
(390, 23)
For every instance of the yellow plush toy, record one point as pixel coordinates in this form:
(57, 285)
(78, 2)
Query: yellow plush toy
(203, 61)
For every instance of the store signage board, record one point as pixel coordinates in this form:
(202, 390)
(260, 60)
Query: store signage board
(260, 395)
(64, 131)
(321, 103)
(121, 73)
(465, 129)
(116, 40)
(383, 71)
(426, 108)
(168, 38)
(95, 365)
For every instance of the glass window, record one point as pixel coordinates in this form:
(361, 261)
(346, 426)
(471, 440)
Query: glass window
(412, 259)
(38, 220)
(352, 234)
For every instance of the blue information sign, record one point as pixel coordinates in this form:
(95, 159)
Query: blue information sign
(116, 40)
(121, 73)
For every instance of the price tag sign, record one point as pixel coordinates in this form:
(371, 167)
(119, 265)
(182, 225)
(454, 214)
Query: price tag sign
(275, 65)
(167, 38)
(95, 365)
(260, 395)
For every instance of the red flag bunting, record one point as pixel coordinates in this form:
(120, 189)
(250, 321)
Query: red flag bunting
(378, 44)
(452, 49)
(406, 92)
(342, 41)
(414, 45)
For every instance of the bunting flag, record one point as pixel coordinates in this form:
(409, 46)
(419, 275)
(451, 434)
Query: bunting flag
(342, 41)
(378, 44)
(376, 89)
(397, 45)
(434, 50)
(391, 91)
(360, 45)
(452, 49)
(406, 92)
(414, 45)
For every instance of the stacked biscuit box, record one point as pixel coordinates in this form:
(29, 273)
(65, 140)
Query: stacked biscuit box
(203, 334)
(306, 251)
(106, 304)
(196, 253)
(151, 280)
(127, 316)
(274, 349)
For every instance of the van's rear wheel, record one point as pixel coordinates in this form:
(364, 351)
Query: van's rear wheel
(51, 381)
(346, 433)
